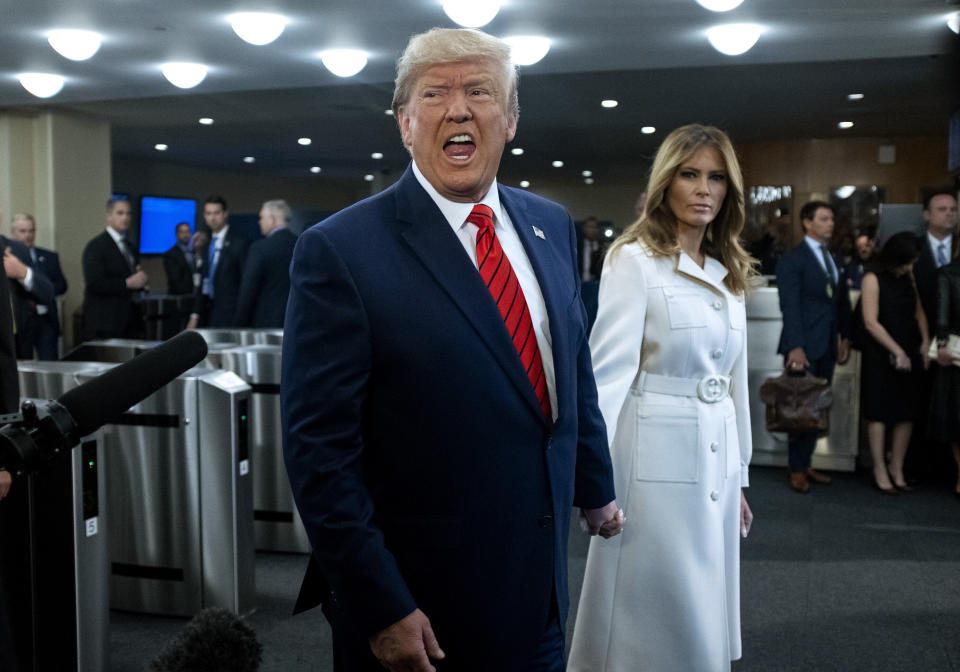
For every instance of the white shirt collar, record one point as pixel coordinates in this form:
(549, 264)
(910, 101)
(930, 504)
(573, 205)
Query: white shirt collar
(456, 213)
(814, 244)
(934, 244)
(116, 235)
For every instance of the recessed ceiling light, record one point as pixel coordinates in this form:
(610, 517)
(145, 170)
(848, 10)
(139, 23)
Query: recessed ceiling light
(719, 5)
(389, 113)
(608, 103)
(258, 28)
(344, 62)
(41, 84)
(557, 164)
(368, 178)
(524, 184)
(587, 173)
(647, 130)
(527, 49)
(206, 121)
(471, 13)
(845, 191)
(160, 147)
(854, 96)
(304, 141)
(517, 151)
(77, 45)
(376, 156)
(314, 169)
(608, 233)
(588, 180)
(248, 159)
(734, 39)
(184, 75)
(845, 124)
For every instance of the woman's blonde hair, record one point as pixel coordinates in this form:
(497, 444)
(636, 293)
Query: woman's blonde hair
(657, 226)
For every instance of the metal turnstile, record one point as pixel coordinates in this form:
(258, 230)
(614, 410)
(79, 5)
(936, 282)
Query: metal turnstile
(277, 525)
(243, 336)
(114, 350)
(58, 584)
(838, 451)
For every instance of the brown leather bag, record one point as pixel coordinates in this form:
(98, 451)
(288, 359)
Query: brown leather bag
(797, 402)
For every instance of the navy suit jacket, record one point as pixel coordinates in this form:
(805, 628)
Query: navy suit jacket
(109, 309)
(48, 263)
(266, 281)
(227, 278)
(42, 292)
(811, 317)
(422, 466)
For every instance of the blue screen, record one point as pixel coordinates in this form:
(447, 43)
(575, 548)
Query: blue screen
(158, 221)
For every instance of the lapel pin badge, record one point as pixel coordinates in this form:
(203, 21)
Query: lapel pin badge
(538, 233)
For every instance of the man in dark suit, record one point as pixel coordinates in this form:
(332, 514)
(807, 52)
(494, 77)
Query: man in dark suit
(42, 325)
(816, 321)
(224, 254)
(937, 245)
(440, 414)
(266, 275)
(178, 263)
(28, 289)
(112, 279)
(591, 248)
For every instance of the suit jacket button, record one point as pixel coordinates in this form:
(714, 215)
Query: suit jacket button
(714, 495)
(545, 521)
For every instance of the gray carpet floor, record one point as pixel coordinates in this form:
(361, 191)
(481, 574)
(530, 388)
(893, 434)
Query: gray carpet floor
(843, 579)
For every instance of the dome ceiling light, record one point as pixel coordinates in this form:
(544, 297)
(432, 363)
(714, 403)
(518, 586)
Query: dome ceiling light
(734, 39)
(719, 5)
(42, 84)
(344, 62)
(527, 49)
(471, 13)
(184, 75)
(77, 45)
(258, 28)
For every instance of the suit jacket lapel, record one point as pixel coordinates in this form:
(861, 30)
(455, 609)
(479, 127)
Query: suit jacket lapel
(439, 250)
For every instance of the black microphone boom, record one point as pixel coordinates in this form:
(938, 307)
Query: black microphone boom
(106, 397)
(55, 426)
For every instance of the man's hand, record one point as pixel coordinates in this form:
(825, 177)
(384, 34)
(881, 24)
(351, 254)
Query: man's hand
(944, 358)
(607, 521)
(843, 351)
(13, 267)
(193, 321)
(407, 645)
(797, 359)
(138, 280)
(5, 480)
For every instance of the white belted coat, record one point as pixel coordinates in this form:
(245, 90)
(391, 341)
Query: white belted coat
(665, 594)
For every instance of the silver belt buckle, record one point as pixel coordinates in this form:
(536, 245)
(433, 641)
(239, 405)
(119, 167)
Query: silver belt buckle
(712, 389)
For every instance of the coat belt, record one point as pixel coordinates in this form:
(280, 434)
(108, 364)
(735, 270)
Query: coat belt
(708, 389)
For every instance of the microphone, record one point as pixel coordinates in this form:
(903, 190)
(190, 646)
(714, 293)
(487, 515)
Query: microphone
(106, 397)
(55, 426)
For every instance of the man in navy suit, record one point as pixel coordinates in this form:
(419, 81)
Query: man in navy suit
(816, 321)
(266, 275)
(440, 413)
(42, 325)
(223, 254)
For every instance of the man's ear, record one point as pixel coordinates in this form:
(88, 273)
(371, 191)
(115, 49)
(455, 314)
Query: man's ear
(403, 121)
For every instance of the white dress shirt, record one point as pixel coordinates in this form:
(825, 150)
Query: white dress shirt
(817, 246)
(934, 244)
(456, 215)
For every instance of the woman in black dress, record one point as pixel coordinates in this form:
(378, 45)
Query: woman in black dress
(944, 422)
(894, 352)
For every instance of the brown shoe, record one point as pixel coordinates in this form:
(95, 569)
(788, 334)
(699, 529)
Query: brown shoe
(799, 482)
(818, 476)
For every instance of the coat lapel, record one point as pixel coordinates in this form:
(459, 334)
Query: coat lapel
(438, 249)
(711, 275)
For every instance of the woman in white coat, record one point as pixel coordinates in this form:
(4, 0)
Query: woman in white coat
(670, 359)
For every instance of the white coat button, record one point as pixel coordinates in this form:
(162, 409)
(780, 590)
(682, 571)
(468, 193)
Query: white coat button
(717, 305)
(716, 354)
(714, 495)
(714, 447)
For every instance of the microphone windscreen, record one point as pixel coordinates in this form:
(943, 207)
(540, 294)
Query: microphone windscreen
(106, 397)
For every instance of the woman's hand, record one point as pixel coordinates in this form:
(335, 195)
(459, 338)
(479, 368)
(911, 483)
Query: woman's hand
(5, 480)
(746, 516)
(925, 353)
(900, 361)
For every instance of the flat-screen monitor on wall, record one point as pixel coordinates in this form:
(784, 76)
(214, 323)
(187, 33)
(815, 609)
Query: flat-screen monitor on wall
(159, 217)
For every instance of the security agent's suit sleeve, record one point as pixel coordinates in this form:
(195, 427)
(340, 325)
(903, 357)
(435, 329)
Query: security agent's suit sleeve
(326, 369)
(789, 289)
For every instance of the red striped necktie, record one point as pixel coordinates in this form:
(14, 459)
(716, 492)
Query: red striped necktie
(496, 271)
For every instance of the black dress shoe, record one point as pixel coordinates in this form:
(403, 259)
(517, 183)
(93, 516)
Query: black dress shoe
(892, 490)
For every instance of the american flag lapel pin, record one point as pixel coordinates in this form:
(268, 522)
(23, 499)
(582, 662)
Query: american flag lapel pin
(538, 233)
